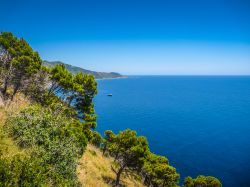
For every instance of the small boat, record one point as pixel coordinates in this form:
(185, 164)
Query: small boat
(110, 95)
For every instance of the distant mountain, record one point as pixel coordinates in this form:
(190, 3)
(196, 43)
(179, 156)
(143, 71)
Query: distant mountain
(75, 70)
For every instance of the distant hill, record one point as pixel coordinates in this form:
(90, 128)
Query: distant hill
(75, 70)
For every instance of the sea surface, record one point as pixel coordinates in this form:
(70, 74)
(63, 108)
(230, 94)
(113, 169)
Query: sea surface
(200, 123)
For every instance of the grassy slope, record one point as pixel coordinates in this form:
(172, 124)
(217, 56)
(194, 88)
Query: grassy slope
(95, 170)
(7, 145)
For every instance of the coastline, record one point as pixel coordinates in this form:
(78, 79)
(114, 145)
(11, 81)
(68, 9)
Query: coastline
(123, 77)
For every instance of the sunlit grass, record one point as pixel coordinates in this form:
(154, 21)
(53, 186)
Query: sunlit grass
(7, 145)
(94, 169)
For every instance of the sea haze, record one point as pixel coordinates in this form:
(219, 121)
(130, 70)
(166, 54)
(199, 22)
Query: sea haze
(201, 123)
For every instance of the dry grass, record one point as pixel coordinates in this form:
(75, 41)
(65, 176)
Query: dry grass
(94, 170)
(7, 146)
(19, 103)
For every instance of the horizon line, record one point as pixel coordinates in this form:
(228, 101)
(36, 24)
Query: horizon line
(189, 75)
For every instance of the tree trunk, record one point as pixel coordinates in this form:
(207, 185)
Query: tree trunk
(146, 180)
(15, 91)
(7, 75)
(118, 175)
(104, 149)
(5, 87)
(116, 155)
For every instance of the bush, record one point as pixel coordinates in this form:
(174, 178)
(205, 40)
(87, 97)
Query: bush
(202, 181)
(96, 139)
(22, 171)
(54, 138)
(30, 171)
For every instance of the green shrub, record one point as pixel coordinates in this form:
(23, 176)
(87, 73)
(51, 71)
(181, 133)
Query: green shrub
(57, 140)
(202, 181)
(96, 139)
(22, 171)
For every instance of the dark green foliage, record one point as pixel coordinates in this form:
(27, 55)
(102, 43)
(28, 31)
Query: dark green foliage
(61, 80)
(18, 63)
(77, 91)
(35, 87)
(165, 175)
(96, 139)
(22, 171)
(84, 89)
(129, 151)
(158, 172)
(51, 136)
(107, 140)
(202, 181)
(26, 171)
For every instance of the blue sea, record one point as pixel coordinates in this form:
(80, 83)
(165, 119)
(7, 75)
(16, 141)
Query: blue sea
(200, 123)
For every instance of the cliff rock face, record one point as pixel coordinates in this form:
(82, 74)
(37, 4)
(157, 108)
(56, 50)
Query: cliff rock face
(74, 69)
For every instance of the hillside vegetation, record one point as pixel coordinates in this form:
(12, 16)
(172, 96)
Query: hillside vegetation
(47, 137)
(75, 70)
(7, 145)
(94, 170)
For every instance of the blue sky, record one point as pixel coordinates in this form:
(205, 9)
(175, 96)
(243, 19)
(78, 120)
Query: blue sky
(202, 37)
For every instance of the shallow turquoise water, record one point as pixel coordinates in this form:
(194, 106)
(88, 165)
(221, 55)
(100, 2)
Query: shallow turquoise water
(201, 123)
